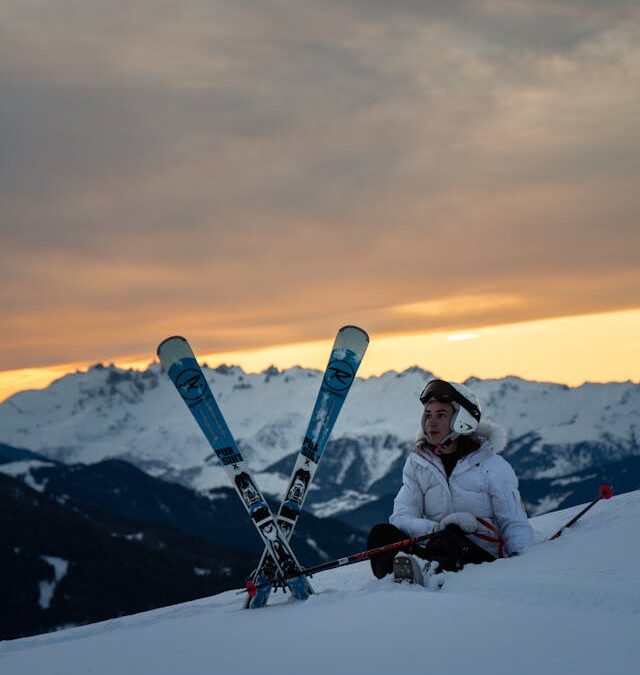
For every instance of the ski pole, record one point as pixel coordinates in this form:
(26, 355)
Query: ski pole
(604, 492)
(348, 560)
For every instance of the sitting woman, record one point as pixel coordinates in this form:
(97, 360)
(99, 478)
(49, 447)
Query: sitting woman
(456, 487)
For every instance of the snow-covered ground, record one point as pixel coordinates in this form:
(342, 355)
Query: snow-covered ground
(571, 606)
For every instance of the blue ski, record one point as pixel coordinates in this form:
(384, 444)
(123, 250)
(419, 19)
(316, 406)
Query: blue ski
(348, 350)
(177, 358)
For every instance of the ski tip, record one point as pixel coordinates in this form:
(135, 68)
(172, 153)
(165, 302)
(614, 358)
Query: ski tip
(167, 341)
(352, 328)
(172, 350)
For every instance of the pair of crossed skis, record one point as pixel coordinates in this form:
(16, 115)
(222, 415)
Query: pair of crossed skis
(179, 361)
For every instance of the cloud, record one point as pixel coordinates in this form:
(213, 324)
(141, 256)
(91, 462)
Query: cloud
(258, 172)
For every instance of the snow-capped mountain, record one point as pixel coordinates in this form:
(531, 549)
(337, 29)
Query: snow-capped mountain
(567, 606)
(107, 412)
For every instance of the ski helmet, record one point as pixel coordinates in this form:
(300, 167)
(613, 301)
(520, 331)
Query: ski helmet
(466, 405)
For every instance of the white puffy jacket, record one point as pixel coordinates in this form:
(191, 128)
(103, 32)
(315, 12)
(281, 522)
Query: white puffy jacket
(482, 483)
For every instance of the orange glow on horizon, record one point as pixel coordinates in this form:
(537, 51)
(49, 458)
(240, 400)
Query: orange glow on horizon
(572, 350)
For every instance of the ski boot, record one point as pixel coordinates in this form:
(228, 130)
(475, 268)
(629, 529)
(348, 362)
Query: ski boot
(407, 568)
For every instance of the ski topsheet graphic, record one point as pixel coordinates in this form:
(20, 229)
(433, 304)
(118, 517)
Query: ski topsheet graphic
(346, 355)
(178, 360)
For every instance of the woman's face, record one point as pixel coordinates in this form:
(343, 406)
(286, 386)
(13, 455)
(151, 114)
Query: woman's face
(438, 421)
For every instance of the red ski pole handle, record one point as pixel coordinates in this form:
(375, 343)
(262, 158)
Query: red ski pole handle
(604, 492)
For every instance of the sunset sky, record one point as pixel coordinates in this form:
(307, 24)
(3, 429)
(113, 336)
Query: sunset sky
(459, 178)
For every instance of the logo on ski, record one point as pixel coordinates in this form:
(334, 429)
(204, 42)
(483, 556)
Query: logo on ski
(191, 384)
(339, 375)
(228, 456)
(310, 449)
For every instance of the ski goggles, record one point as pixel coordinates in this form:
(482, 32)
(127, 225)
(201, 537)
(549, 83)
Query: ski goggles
(439, 390)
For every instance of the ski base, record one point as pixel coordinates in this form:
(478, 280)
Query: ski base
(262, 591)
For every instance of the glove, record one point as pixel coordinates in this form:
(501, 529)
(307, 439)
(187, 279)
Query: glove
(465, 521)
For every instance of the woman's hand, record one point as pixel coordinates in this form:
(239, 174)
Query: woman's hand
(467, 522)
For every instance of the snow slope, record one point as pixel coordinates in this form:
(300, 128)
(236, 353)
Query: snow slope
(569, 606)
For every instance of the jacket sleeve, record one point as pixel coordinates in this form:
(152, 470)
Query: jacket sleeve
(408, 505)
(509, 513)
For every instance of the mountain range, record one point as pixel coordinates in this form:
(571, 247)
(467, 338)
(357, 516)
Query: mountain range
(557, 434)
